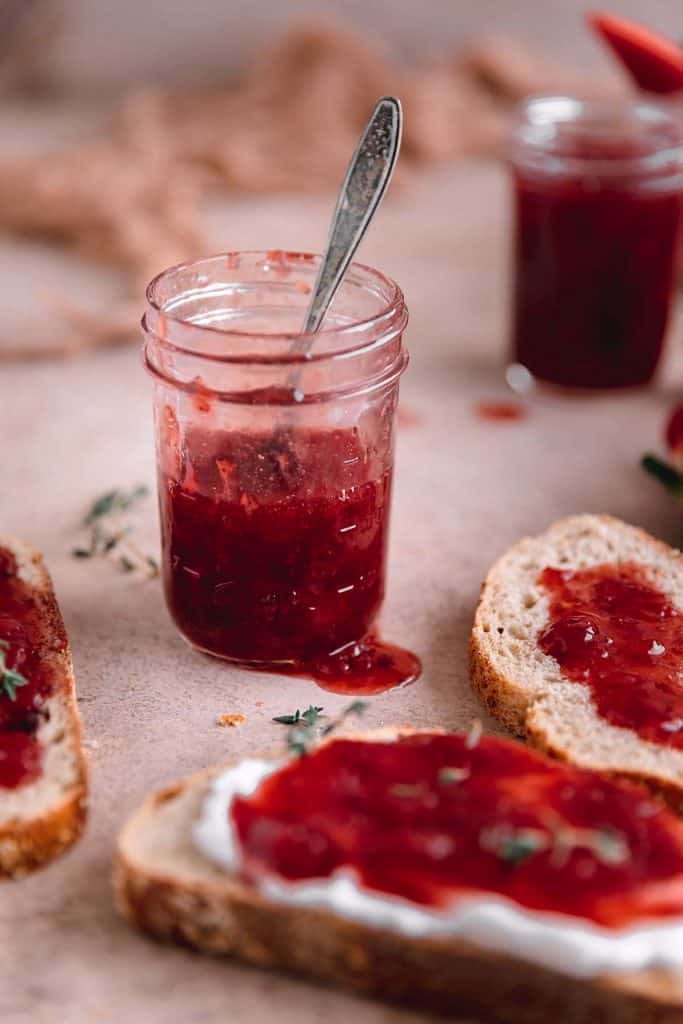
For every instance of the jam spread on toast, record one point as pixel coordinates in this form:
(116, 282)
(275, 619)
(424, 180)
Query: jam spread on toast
(274, 552)
(612, 630)
(435, 817)
(26, 678)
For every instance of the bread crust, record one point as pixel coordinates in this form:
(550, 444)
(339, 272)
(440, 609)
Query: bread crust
(213, 912)
(516, 707)
(27, 843)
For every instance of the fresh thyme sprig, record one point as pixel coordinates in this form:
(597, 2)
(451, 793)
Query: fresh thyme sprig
(513, 845)
(310, 717)
(115, 501)
(449, 774)
(306, 728)
(607, 845)
(474, 734)
(667, 475)
(407, 790)
(10, 679)
(109, 537)
(516, 845)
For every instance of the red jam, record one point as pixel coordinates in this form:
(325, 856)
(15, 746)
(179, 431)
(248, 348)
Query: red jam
(501, 412)
(364, 668)
(611, 630)
(654, 63)
(674, 430)
(275, 554)
(25, 651)
(407, 417)
(433, 817)
(593, 280)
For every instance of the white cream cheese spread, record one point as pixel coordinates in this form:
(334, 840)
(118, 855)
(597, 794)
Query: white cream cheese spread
(571, 946)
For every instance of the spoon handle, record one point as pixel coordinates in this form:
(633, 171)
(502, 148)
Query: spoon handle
(366, 181)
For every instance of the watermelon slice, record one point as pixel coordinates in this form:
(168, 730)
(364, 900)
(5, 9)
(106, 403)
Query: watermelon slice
(655, 63)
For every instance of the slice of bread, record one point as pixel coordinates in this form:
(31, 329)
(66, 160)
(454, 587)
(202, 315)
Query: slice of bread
(525, 689)
(168, 889)
(40, 819)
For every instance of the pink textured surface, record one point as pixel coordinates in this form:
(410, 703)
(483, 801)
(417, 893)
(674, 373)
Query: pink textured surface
(466, 489)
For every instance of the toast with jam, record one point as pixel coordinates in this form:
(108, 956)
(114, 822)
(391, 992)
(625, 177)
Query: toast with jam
(463, 874)
(577, 646)
(42, 767)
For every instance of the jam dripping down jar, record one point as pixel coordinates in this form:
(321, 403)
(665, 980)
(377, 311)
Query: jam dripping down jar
(597, 189)
(274, 468)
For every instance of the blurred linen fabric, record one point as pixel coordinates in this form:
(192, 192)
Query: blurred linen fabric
(284, 116)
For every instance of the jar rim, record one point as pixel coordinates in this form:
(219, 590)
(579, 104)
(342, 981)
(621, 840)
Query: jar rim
(392, 309)
(545, 124)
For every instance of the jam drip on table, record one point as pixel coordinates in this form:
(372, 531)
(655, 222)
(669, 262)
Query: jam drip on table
(275, 550)
(365, 668)
(25, 647)
(434, 817)
(610, 629)
(500, 411)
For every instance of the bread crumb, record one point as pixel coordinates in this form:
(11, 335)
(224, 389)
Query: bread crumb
(231, 720)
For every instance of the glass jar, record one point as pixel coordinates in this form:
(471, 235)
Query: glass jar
(597, 205)
(274, 467)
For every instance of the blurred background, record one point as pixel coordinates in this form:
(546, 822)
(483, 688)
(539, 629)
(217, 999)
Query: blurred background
(99, 45)
(127, 128)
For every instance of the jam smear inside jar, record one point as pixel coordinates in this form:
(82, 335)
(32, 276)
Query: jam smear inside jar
(435, 817)
(597, 206)
(275, 473)
(612, 630)
(25, 650)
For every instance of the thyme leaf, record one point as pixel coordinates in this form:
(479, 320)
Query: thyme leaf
(407, 790)
(513, 845)
(310, 716)
(306, 727)
(450, 774)
(474, 734)
(152, 565)
(357, 708)
(666, 474)
(10, 679)
(109, 538)
(115, 501)
(606, 844)
(610, 847)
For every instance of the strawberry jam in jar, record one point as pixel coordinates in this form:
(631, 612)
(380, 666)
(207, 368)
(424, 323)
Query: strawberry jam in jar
(597, 205)
(275, 466)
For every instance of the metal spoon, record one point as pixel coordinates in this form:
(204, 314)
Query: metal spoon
(366, 181)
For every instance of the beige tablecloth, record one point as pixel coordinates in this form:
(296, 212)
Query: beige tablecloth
(466, 488)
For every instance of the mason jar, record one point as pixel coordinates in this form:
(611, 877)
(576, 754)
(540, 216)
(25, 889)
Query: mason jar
(275, 460)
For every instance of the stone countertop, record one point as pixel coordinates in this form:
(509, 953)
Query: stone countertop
(465, 489)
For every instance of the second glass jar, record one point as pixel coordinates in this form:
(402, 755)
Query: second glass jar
(597, 206)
